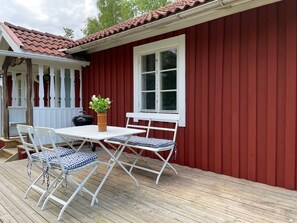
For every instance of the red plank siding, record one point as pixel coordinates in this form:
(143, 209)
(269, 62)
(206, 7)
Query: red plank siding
(190, 131)
(243, 143)
(212, 94)
(281, 94)
(198, 97)
(240, 93)
(261, 157)
(218, 96)
(235, 93)
(252, 95)
(272, 95)
(227, 101)
(291, 47)
(204, 102)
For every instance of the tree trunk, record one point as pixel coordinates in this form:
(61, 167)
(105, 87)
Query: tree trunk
(5, 105)
(29, 112)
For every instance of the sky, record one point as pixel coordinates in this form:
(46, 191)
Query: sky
(48, 15)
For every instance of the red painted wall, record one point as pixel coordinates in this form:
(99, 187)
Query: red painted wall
(240, 93)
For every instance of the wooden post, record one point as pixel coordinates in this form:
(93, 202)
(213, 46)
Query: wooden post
(29, 113)
(80, 88)
(14, 89)
(41, 86)
(72, 89)
(57, 89)
(24, 89)
(62, 76)
(5, 105)
(9, 61)
(52, 87)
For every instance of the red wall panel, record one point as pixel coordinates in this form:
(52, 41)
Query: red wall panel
(240, 93)
(272, 95)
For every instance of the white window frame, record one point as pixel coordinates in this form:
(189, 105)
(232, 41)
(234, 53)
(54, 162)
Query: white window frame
(174, 42)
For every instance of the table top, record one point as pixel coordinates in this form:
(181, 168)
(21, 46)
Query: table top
(91, 132)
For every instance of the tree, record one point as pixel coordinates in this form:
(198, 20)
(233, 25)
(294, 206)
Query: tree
(112, 12)
(144, 6)
(92, 26)
(68, 33)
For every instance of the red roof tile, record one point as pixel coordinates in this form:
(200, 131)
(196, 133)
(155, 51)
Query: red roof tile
(161, 13)
(38, 42)
(46, 43)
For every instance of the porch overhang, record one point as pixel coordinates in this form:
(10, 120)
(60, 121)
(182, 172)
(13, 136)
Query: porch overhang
(204, 13)
(45, 59)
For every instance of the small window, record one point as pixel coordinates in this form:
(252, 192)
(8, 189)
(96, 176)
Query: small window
(159, 77)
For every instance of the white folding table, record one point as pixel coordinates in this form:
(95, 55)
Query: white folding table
(89, 133)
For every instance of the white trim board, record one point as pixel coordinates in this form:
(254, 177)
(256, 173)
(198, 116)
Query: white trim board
(179, 43)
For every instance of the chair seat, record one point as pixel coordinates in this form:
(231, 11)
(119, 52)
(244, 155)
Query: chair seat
(51, 155)
(75, 160)
(143, 141)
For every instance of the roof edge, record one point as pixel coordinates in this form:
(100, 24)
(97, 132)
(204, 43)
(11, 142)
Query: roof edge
(49, 58)
(11, 34)
(202, 13)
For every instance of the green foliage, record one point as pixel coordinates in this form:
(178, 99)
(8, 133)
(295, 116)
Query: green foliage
(144, 6)
(99, 104)
(112, 12)
(92, 26)
(68, 33)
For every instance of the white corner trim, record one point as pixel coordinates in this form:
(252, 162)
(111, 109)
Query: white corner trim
(182, 80)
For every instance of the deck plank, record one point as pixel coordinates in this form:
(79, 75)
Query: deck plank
(77, 212)
(5, 215)
(191, 196)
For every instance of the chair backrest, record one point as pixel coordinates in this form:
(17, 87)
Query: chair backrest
(31, 146)
(153, 117)
(49, 133)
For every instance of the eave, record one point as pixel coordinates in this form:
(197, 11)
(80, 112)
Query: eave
(207, 12)
(46, 59)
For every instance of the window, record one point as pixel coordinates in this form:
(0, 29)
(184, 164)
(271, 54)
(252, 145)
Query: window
(159, 77)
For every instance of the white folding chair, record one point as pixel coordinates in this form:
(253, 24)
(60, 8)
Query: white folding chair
(138, 144)
(37, 158)
(68, 165)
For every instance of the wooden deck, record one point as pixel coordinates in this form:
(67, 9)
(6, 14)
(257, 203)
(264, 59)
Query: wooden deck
(191, 196)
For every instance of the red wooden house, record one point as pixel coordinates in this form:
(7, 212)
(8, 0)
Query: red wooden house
(227, 66)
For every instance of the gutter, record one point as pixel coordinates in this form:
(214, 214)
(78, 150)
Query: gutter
(203, 13)
(44, 58)
(145, 27)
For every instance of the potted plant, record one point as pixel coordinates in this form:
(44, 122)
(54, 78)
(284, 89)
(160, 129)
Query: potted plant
(100, 106)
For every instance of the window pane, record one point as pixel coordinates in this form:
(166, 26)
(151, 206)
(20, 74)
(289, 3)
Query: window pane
(148, 100)
(168, 101)
(168, 80)
(148, 81)
(148, 63)
(168, 59)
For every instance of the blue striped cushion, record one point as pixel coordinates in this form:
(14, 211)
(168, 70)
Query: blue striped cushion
(75, 160)
(51, 155)
(143, 141)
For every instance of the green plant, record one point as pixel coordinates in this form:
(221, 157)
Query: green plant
(99, 104)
